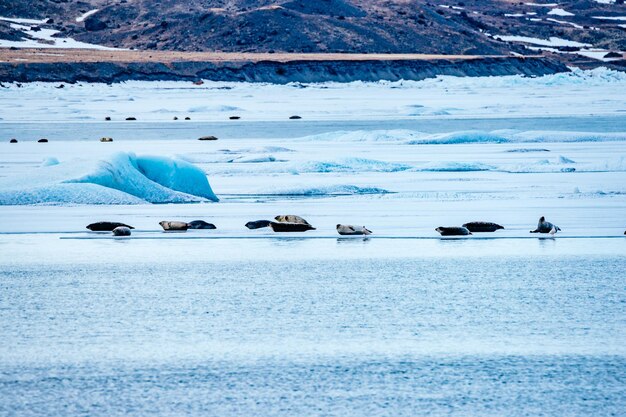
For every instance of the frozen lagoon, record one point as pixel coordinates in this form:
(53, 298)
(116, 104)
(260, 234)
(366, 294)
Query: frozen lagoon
(213, 322)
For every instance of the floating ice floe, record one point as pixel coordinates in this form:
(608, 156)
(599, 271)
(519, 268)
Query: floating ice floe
(123, 178)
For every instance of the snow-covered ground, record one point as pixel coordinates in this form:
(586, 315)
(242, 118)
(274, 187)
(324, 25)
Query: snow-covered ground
(236, 322)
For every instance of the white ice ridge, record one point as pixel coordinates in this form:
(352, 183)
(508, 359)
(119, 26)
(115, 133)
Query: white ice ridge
(411, 137)
(123, 178)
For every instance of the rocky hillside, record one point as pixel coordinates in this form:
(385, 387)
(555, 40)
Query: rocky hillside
(366, 26)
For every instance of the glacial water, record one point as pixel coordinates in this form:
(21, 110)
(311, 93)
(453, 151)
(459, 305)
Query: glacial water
(312, 326)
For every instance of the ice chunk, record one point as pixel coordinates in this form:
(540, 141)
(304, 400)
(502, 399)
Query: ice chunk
(49, 162)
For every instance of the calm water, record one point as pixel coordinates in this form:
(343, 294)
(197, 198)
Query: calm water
(312, 327)
(155, 130)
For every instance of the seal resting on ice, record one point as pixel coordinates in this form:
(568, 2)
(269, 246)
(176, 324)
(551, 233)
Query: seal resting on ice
(200, 224)
(290, 227)
(106, 226)
(545, 227)
(121, 231)
(257, 224)
(482, 227)
(291, 218)
(453, 231)
(173, 225)
(346, 229)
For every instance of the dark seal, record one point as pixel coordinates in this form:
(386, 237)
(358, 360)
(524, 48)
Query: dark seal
(290, 227)
(106, 226)
(453, 231)
(258, 224)
(200, 224)
(482, 227)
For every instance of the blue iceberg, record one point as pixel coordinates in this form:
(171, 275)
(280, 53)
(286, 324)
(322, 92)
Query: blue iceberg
(123, 178)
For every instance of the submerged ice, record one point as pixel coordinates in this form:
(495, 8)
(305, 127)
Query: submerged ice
(123, 178)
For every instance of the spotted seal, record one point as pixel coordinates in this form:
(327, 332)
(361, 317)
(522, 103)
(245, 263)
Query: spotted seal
(545, 227)
(121, 231)
(346, 229)
(174, 225)
(291, 218)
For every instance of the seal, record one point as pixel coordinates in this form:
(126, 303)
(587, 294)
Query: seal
(200, 224)
(210, 137)
(106, 226)
(258, 224)
(174, 225)
(121, 231)
(290, 227)
(13, 140)
(106, 139)
(545, 227)
(43, 140)
(291, 218)
(453, 231)
(346, 229)
(482, 227)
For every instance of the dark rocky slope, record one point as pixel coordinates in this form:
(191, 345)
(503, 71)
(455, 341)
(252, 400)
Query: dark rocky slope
(276, 72)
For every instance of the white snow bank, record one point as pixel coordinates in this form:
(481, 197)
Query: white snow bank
(552, 41)
(42, 37)
(560, 12)
(609, 17)
(85, 15)
(121, 179)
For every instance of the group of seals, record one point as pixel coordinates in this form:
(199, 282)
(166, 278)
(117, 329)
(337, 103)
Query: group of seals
(121, 229)
(485, 227)
(469, 228)
(293, 223)
(182, 226)
(106, 226)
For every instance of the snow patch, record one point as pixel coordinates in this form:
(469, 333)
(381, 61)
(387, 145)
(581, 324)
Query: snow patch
(84, 16)
(560, 12)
